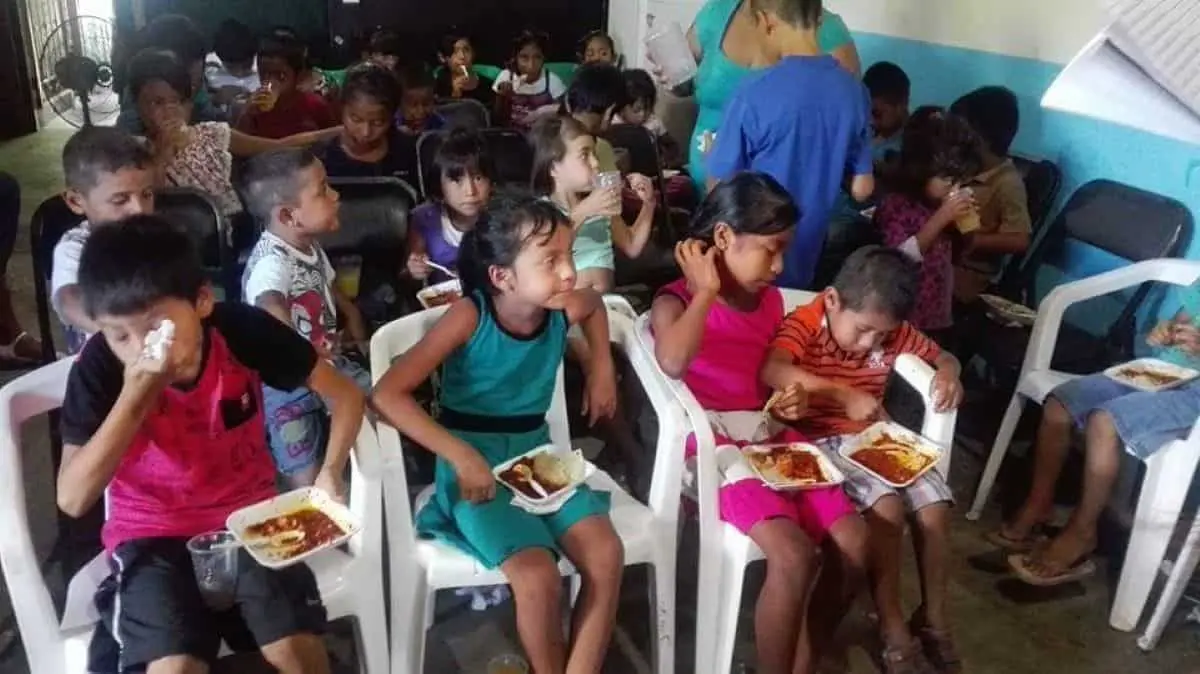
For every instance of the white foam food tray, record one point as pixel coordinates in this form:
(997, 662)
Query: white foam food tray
(429, 293)
(778, 482)
(920, 444)
(299, 499)
(1122, 374)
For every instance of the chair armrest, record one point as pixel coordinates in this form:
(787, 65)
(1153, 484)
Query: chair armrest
(936, 426)
(1054, 305)
(29, 396)
(672, 423)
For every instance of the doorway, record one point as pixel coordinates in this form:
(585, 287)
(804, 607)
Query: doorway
(17, 116)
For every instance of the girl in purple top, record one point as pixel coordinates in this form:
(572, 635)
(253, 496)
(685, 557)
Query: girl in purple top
(459, 185)
(939, 151)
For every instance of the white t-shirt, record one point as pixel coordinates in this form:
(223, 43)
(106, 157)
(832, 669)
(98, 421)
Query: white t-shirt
(305, 279)
(67, 251)
(522, 88)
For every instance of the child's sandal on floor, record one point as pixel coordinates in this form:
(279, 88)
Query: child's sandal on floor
(937, 645)
(907, 659)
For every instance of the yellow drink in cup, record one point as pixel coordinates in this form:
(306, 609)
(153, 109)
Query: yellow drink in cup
(348, 275)
(969, 222)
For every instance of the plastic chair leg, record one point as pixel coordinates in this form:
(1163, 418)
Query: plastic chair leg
(372, 634)
(1168, 477)
(1181, 573)
(576, 586)
(408, 618)
(1008, 426)
(663, 603)
(730, 597)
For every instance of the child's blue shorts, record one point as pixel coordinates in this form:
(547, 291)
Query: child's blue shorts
(1145, 421)
(298, 422)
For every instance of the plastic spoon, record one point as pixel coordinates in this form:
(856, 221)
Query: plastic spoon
(444, 270)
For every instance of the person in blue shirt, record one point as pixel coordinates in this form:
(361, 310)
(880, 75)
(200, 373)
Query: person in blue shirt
(1110, 414)
(805, 122)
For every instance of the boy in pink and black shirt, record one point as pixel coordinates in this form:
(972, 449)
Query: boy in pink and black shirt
(179, 443)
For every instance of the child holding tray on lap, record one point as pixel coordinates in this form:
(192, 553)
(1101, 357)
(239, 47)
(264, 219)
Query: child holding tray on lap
(841, 348)
(712, 328)
(1110, 414)
(177, 439)
(499, 349)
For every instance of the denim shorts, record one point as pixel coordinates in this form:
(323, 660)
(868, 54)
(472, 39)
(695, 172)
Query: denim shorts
(298, 422)
(1145, 421)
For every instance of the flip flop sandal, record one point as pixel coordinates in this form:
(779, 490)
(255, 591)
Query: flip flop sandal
(997, 538)
(906, 660)
(1021, 566)
(938, 647)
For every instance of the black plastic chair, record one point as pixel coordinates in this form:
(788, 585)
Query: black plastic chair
(1043, 180)
(201, 217)
(374, 220)
(50, 221)
(427, 147)
(511, 155)
(1120, 220)
(465, 113)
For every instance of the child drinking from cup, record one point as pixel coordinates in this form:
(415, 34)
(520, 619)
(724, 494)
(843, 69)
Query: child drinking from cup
(564, 167)
(526, 85)
(498, 350)
(457, 77)
(280, 109)
(920, 215)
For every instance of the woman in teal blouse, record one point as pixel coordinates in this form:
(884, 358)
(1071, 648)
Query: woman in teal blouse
(724, 40)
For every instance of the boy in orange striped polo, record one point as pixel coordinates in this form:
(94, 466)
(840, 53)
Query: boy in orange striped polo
(841, 348)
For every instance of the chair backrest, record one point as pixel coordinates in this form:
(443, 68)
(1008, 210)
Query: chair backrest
(427, 147)
(464, 113)
(1043, 180)
(1124, 221)
(201, 217)
(23, 399)
(373, 215)
(511, 156)
(50, 221)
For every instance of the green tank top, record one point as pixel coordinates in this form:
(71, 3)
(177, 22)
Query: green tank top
(498, 374)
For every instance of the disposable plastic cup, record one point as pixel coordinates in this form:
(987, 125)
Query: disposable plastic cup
(215, 562)
(669, 49)
(607, 179)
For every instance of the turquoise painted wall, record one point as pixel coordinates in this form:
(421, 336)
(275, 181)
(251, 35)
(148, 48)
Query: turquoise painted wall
(1083, 148)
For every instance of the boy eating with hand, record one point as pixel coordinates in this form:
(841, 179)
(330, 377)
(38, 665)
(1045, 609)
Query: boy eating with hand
(178, 443)
(840, 348)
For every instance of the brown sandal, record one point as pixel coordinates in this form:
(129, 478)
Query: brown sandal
(937, 646)
(906, 659)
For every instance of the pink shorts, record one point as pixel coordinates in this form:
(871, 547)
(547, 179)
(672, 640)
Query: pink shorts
(748, 502)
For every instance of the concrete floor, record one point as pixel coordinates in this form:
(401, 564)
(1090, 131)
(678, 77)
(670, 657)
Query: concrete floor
(1000, 629)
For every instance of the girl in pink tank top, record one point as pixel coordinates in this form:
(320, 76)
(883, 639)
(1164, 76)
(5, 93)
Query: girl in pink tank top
(712, 329)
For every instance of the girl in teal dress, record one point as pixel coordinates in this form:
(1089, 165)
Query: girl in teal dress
(499, 349)
(719, 76)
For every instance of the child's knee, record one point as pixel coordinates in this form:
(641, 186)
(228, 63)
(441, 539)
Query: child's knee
(1101, 422)
(887, 515)
(604, 556)
(853, 541)
(934, 520)
(1056, 413)
(297, 654)
(792, 561)
(533, 575)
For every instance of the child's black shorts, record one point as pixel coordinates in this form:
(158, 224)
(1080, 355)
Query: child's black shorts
(151, 608)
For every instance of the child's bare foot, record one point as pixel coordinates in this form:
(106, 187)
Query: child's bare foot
(1065, 559)
(1023, 532)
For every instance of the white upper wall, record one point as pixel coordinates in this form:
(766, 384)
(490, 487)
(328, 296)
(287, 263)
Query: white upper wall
(1046, 30)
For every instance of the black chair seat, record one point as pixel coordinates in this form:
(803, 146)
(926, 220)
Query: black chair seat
(1076, 351)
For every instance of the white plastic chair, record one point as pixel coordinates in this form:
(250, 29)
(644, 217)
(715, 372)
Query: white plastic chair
(421, 567)
(724, 551)
(351, 583)
(1168, 472)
